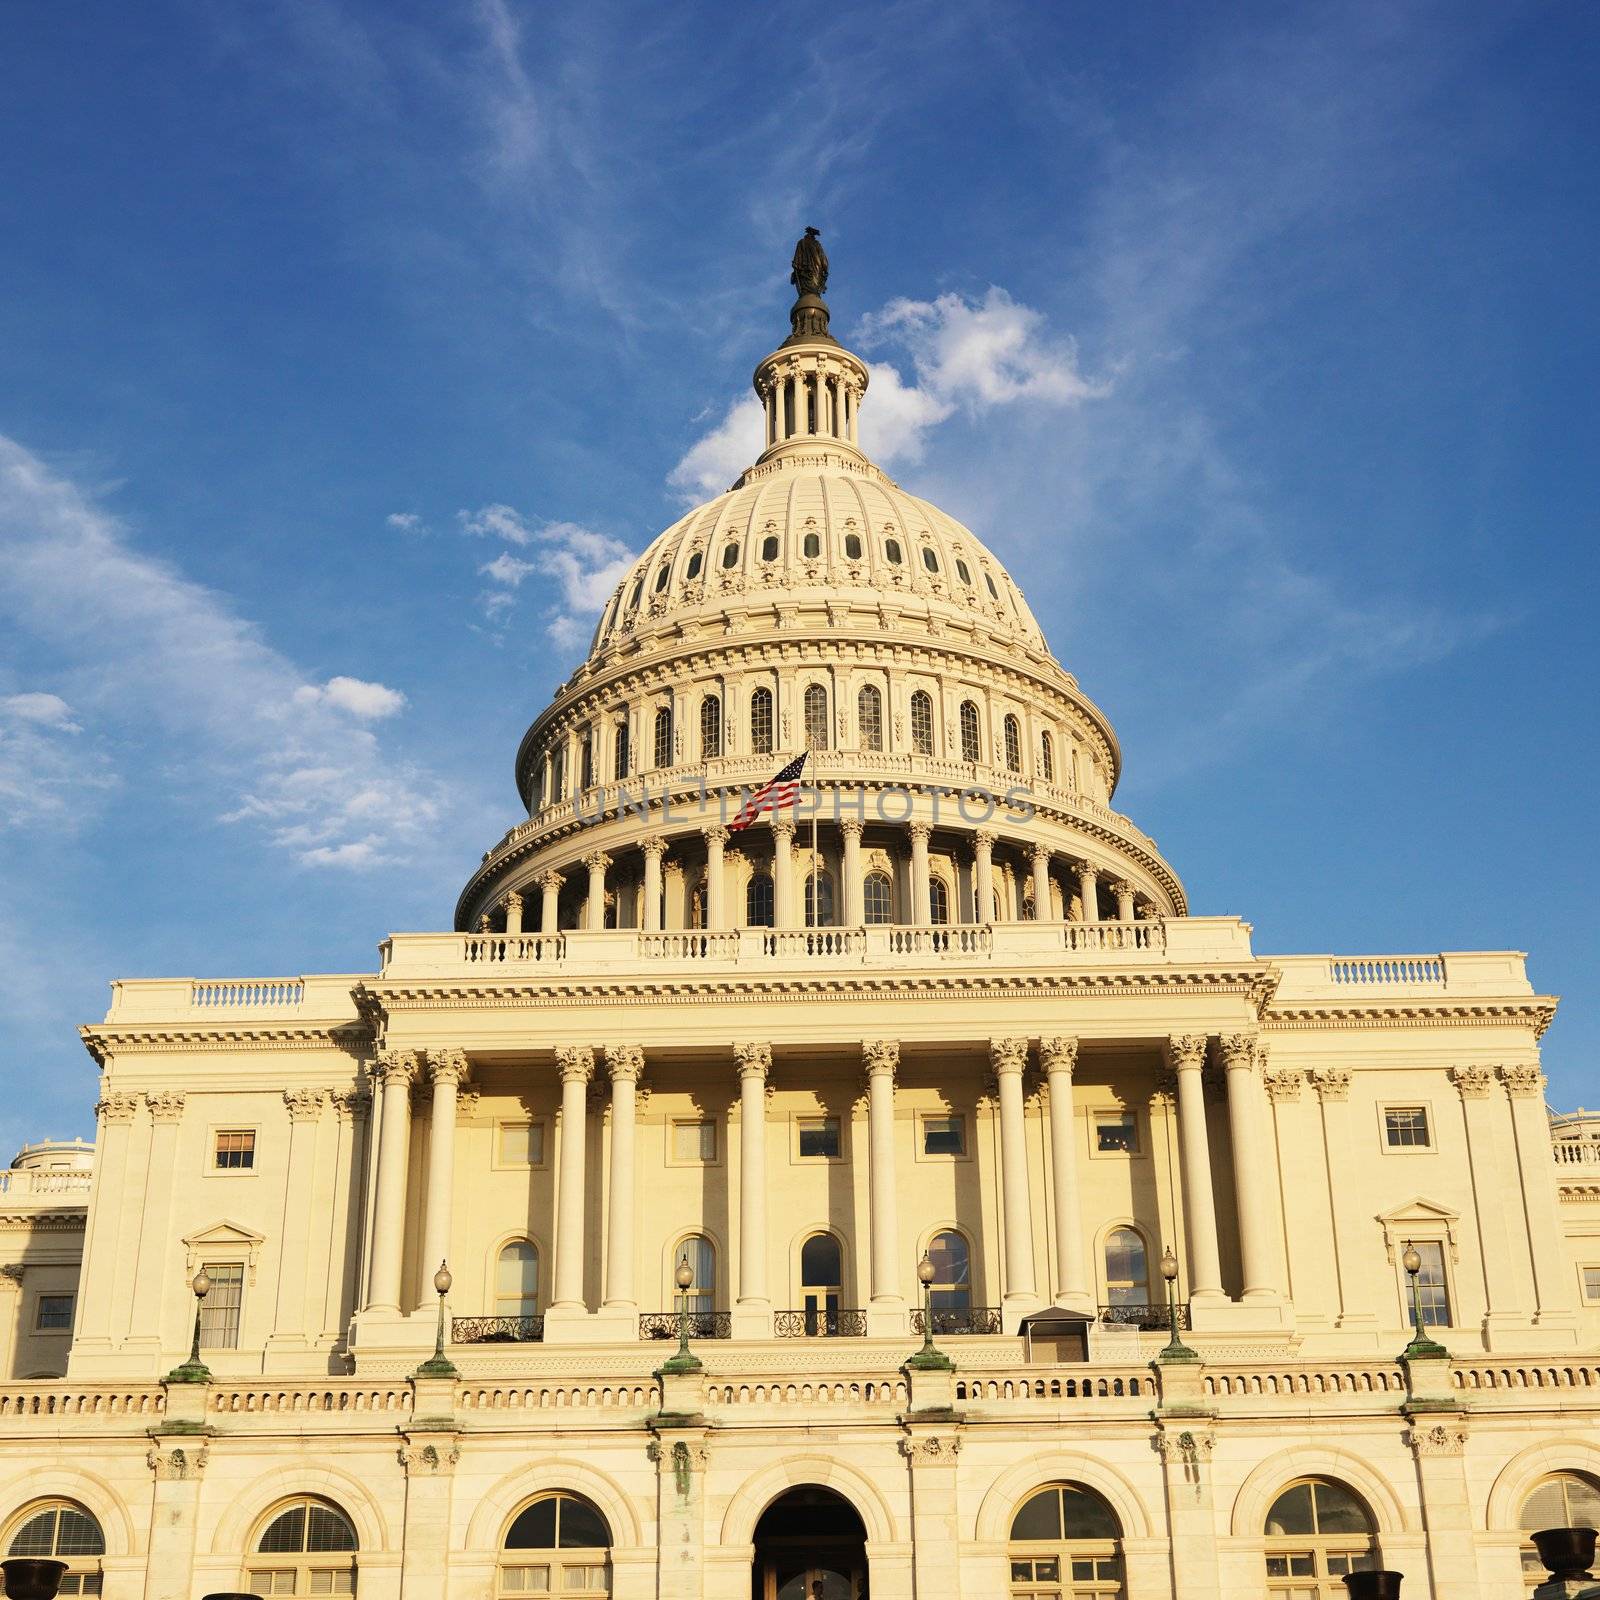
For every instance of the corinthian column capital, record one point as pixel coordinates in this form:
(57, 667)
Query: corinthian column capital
(1238, 1051)
(1008, 1055)
(551, 881)
(880, 1055)
(597, 861)
(167, 1106)
(1058, 1054)
(575, 1062)
(395, 1068)
(1186, 1050)
(624, 1062)
(754, 1060)
(448, 1065)
(1522, 1079)
(305, 1105)
(715, 834)
(655, 845)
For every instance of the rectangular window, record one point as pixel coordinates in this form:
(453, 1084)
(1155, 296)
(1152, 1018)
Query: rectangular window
(54, 1314)
(1116, 1132)
(219, 1311)
(819, 1136)
(1406, 1127)
(236, 1150)
(1432, 1290)
(519, 1144)
(944, 1136)
(694, 1141)
(1591, 1285)
(266, 1583)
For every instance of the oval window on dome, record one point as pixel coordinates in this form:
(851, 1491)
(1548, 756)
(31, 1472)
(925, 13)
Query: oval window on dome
(812, 547)
(661, 578)
(638, 589)
(929, 559)
(852, 546)
(730, 556)
(988, 578)
(963, 572)
(693, 569)
(891, 552)
(769, 547)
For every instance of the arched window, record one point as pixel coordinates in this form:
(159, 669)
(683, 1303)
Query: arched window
(730, 556)
(557, 1545)
(702, 1256)
(951, 1289)
(623, 754)
(988, 578)
(969, 731)
(638, 589)
(710, 727)
(891, 551)
(1564, 1501)
(692, 571)
(821, 914)
(816, 707)
(852, 546)
(1316, 1532)
(963, 572)
(306, 1547)
(1047, 757)
(922, 723)
(663, 749)
(821, 1276)
(662, 576)
(811, 547)
(516, 1280)
(1013, 732)
(61, 1531)
(761, 722)
(869, 713)
(877, 899)
(558, 773)
(1064, 1542)
(769, 547)
(586, 761)
(1127, 1269)
(929, 559)
(758, 901)
(938, 900)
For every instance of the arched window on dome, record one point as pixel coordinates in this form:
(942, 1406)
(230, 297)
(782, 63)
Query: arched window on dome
(769, 547)
(662, 576)
(852, 547)
(994, 593)
(761, 722)
(558, 1544)
(60, 1530)
(1567, 1500)
(820, 908)
(811, 546)
(1047, 757)
(692, 571)
(516, 1280)
(892, 553)
(1065, 1541)
(1127, 1268)
(623, 754)
(963, 572)
(1013, 737)
(663, 739)
(710, 727)
(305, 1547)
(938, 900)
(930, 558)
(638, 589)
(758, 901)
(816, 710)
(730, 556)
(558, 772)
(586, 760)
(869, 716)
(1317, 1531)
(969, 730)
(922, 723)
(877, 899)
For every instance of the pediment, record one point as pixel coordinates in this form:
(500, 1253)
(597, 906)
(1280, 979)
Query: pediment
(221, 1239)
(1422, 1218)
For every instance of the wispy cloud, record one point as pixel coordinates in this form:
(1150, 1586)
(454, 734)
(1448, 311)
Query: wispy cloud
(404, 522)
(718, 457)
(46, 773)
(148, 651)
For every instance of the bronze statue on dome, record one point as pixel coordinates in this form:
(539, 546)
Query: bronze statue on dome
(809, 273)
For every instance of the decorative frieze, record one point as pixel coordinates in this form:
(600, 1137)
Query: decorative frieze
(1187, 1445)
(932, 1450)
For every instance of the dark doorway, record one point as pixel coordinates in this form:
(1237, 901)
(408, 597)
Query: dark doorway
(810, 1545)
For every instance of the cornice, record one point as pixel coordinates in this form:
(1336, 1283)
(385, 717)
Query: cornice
(349, 1038)
(1537, 1014)
(56, 1219)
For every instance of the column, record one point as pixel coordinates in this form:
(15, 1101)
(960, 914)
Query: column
(1059, 1057)
(595, 918)
(1504, 1277)
(545, 797)
(882, 1057)
(513, 912)
(1252, 1181)
(1040, 858)
(797, 400)
(448, 1069)
(576, 1066)
(1124, 893)
(650, 917)
(289, 1321)
(1089, 891)
(936, 1555)
(855, 411)
(624, 1063)
(855, 909)
(154, 1276)
(716, 876)
(674, 900)
(177, 1462)
(549, 907)
(1009, 1058)
(1438, 1442)
(983, 874)
(1348, 1208)
(783, 897)
(1552, 1277)
(395, 1069)
(921, 903)
(1186, 1053)
(1186, 1443)
(429, 1458)
(755, 1062)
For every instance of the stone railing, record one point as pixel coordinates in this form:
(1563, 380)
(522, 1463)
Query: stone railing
(1075, 1388)
(1263, 1380)
(17, 1181)
(322, 998)
(56, 1399)
(342, 1398)
(1349, 979)
(1576, 1152)
(232, 994)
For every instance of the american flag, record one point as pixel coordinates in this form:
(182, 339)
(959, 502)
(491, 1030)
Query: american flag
(774, 795)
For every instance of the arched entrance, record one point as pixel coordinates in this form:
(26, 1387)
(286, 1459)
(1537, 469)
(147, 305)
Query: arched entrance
(810, 1545)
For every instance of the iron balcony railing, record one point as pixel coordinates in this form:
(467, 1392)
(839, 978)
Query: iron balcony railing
(1149, 1318)
(973, 1319)
(702, 1324)
(820, 1324)
(496, 1330)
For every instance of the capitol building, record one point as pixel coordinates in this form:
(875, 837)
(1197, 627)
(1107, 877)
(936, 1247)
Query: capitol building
(899, 1194)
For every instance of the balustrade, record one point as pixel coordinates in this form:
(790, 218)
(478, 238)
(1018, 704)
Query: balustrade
(970, 1319)
(702, 1324)
(496, 1330)
(808, 1324)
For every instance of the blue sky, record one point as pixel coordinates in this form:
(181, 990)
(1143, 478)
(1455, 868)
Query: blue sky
(346, 348)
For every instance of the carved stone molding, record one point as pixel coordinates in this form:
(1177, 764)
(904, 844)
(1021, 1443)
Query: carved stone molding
(1522, 1079)
(575, 1062)
(427, 1459)
(176, 1463)
(1472, 1082)
(1285, 1084)
(117, 1107)
(754, 1060)
(1331, 1083)
(1058, 1053)
(466, 1104)
(624, 1062)
(1186, 1050)
(12, 1272)
(933, 1450)
(305, 1105)
(166, 1106)
(395, 1069)
(1008, 1055)
(1186, 1444)
(1439, 1439)
(880, 1055)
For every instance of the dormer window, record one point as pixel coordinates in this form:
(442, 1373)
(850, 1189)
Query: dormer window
(730, 556)
(769, 547)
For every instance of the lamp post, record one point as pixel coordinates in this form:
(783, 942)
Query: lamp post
(685, 1360)
(439, 1365)
(928, 1359)
(1421, 1348)
(1175, 1349)
(194, 1370)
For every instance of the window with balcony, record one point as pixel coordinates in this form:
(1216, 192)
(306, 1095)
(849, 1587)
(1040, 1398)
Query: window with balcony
(1127, 1268)
(922, 723)
(702, 1256)
(869, 716)
(1433, 1289)
(969, 731)
(761, 722)
(877, 899)
(938, 900)
(951, 1260)
(758, 901)
(221, 1310)
(819, 900)
(516, 1280)
(821, 1279)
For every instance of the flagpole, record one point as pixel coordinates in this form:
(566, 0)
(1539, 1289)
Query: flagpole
(816, 881)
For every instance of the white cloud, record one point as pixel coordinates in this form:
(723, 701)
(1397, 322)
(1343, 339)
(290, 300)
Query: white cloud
(497, 522)
(171, 667)
(507, 569)
(404, 521)
(45, 710)
(714, 461)
(369, 701)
